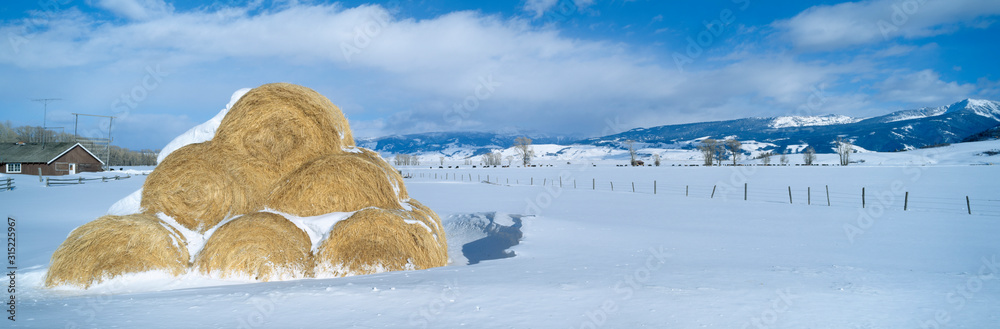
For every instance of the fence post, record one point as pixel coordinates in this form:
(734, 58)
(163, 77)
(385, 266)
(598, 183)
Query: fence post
(809, 196)
(654, 186)
(686, 190)
(968, 205)
(744, 191)
(827, 195)
(39, 175)
(46, 181)
(593, 183)
(906, 201)
(713, 192)
(560, 181)
(574, 183)
(789, 194)
(104, 179)
(862, 197)
(612, 186)
(545, 181)
(633, 187)
(81, 180)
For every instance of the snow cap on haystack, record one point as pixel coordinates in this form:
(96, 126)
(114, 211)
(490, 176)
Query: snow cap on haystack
(334, 183)
(114, 245)
(378, 240)
(194, 187)
(261, 246)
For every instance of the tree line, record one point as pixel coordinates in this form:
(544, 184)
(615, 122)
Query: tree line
(715, 151)
(111, 155)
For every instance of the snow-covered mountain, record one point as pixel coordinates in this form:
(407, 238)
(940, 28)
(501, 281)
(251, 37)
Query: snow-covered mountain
(908, 129)
(808, 121)
(895, 131)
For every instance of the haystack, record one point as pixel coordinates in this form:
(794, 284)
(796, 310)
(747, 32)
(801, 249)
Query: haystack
(194, 187)
(377, 240)
(280, 126)
(394, 177)
(334, 183)
(114, 245)
(262, 246)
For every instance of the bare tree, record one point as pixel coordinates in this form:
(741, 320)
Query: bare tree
(491, 158)
(509, 158)
(766, 158)
(734, 147)
(523, 147)
(707, 149)
(720, 152)
(442, 160)
(407, 160)
(844, 149)
(631, 151)
(656, 159)
(784, 158)
(809, 156)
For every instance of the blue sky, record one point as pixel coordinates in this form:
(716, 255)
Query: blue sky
(577, 67)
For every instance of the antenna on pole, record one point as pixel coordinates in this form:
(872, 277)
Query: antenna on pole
(45, 104)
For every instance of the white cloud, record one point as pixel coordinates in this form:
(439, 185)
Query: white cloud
(563, 7)
(923, 88)
(829, 27)
(539, 7)
(135, 9)
(404, 75)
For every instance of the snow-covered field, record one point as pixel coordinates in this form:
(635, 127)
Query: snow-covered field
(590, 257)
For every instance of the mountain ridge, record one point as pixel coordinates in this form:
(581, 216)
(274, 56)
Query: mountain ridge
(898, 130)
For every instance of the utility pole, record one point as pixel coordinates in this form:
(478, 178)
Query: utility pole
(45, 113)
(94, 141)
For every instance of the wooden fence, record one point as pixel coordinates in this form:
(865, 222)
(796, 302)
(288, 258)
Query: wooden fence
(49, 181)
(7, 184)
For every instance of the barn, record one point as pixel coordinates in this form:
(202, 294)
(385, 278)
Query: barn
(53, 159)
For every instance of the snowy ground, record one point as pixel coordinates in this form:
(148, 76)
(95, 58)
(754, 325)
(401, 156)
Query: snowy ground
(590, 257)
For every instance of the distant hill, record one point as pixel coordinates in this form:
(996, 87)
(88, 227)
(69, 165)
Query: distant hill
(988, 134)
(901, 130)
(909, 129)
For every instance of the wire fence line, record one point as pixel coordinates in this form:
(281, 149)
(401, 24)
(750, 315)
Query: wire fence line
(821, 195)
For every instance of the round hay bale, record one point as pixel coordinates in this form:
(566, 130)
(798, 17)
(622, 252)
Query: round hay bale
(282, 126)
(377, 240)
(114, 245)
(431, 219)
(334, 183)
(393, 174)
(193, 187)
(262, 246)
